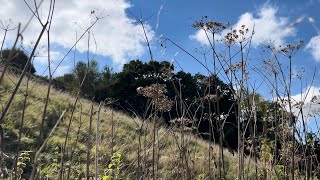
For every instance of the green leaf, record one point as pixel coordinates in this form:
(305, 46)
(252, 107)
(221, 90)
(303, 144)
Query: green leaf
(107, 178)
(110, 166)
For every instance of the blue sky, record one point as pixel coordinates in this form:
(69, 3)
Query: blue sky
(117, 38)
(176, 19)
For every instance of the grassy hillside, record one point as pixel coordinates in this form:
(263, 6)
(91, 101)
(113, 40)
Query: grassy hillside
(176, 155)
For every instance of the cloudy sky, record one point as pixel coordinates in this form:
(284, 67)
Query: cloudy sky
(117, 38)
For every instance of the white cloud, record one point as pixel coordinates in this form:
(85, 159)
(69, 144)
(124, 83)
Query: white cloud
(309, 99)
(117, 36)
(42, 58)
(307, 94)
(310, 106)
(314, 47)
(267, 26)
(61, 70)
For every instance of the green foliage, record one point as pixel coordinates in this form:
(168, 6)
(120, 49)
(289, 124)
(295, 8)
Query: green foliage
(279, 172)
(23, 161)
(52, 167)
(17, 58)
(66, 82)
(266, 152)
(105, 83)
(87, 74)
(114, 167)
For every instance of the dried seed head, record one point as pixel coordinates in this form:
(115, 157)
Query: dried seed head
(156, 92)
(209, 25)
(290, 49)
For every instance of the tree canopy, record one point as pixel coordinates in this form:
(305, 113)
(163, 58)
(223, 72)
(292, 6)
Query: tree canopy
(16, 58)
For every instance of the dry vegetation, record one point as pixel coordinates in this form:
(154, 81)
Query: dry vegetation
(49, 134)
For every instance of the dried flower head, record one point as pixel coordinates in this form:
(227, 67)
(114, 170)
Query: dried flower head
(156, 92)
(211, 26)
(290, 49)
(211, 97)
(167, 72)
(152, 91)
(236, 35)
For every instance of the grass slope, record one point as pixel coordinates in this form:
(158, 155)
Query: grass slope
(125, 138)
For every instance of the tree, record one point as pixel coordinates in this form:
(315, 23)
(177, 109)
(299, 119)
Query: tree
(67, 82)
(104, 86)
(88, 73)
(16, 58)
(87, 76)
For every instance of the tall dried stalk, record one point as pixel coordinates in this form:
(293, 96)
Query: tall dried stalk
(97, 142)
(89, 144)
(52, 5)
(77, 138)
